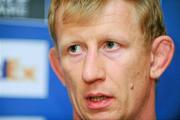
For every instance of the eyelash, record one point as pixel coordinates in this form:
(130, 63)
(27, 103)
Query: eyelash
(72, 50)
(104, 46)
(117, 46)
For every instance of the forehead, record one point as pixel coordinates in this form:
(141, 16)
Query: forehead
(116, 14)
(119, 8)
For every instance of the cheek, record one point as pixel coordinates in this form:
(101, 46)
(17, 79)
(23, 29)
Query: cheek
(124, 72)
(72, 75)
(120, 72)
(72, 84)
(139, 94)
(141, 74)
(120, 75)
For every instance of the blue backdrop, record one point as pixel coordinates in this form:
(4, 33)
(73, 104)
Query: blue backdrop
(57, 105)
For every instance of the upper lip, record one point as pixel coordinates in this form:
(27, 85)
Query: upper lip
(96, 94)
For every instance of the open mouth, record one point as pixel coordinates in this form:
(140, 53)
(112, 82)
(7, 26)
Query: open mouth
(98, 101)
(97, 98)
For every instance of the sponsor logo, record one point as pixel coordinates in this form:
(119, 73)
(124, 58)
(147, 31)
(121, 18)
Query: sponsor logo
(11, 69)
(23, 68)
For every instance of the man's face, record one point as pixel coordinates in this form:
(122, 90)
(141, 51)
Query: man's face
(105, 64)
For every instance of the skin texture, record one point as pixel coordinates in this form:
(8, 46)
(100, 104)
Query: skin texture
(108, 56)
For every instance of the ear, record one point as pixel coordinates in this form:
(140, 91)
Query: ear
(55, 64)
(161, 55)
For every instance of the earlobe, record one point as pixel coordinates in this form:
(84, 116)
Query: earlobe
(55, 65)
(161, 55)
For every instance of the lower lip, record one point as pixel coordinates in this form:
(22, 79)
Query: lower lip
(99, 104)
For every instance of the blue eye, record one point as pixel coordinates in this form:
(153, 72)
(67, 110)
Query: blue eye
(110, 45)
(75, 49)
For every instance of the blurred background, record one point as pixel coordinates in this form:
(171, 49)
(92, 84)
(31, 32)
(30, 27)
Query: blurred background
(29, 90)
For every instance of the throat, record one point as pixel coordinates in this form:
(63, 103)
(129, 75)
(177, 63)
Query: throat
(148, 111)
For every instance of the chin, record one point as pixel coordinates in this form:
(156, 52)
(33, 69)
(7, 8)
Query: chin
(104, 116)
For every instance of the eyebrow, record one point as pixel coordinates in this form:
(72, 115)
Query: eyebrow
(66, 40)
(71, 38)
(117, 35)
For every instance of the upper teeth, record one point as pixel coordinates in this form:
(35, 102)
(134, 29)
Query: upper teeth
(97, 98)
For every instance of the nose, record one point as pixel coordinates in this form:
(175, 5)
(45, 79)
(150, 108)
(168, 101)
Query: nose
(93, 69)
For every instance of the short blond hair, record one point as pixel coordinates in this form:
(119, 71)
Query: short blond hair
(149, 15)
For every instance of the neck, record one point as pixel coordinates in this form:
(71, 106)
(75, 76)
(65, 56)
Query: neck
(76, 116)
(148, 112)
